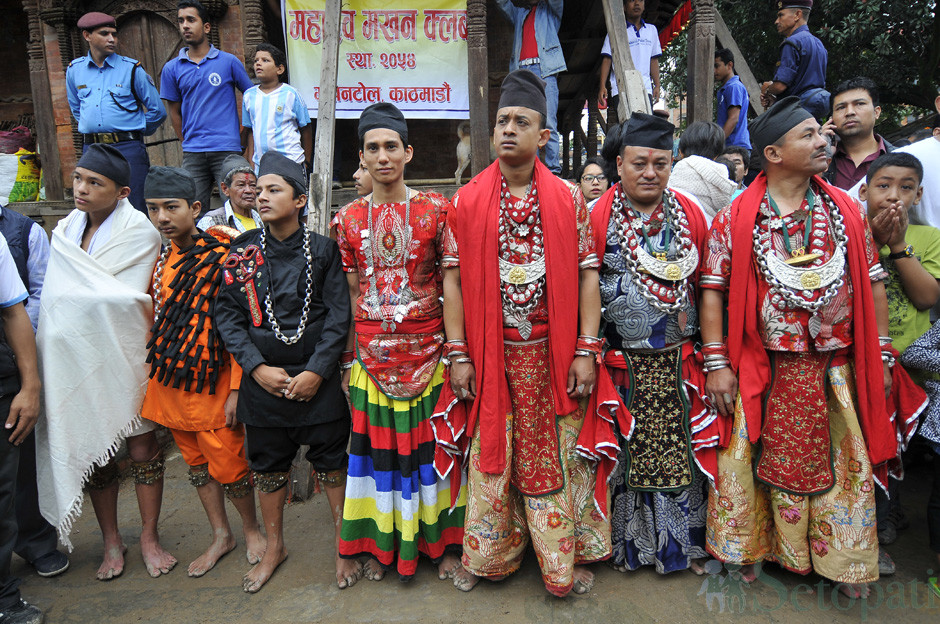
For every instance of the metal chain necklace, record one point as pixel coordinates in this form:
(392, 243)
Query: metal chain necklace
(395, 244)
(669, 299)
(812, 279)
(308, 294)
(158, 281)
(520, 235)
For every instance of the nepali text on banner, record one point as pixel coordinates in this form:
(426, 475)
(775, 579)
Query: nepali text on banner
(389, 51)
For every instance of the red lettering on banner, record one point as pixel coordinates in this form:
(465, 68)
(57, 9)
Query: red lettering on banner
(359, 60)
(411, 95)
(307, 26)
(358, 93)
(349, 25)
(445, 26)
(395, 25)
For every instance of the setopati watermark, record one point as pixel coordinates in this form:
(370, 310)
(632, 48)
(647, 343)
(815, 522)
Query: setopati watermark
(725, 591)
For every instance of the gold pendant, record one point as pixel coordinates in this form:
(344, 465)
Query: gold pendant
(799, 258)
(810, 280)
(517, 276)
(673, 272)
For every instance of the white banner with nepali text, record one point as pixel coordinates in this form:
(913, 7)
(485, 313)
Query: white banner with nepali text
(390, 51)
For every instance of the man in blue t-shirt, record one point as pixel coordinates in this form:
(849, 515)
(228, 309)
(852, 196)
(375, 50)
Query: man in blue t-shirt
(198, 87)
(732, 101)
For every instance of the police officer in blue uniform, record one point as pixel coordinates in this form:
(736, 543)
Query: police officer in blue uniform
(113, 99)
(803, 59)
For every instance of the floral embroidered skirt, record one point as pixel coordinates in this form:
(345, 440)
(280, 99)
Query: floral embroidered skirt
(832, 534)
(396, 506)
(565, 526)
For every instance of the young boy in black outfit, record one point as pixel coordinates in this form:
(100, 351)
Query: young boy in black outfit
(283, 314)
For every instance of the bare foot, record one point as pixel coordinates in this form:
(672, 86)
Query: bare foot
(448, 566)
(698, 566)
(373, 570)
(583, 580)
(747, 573)
(113, 564)
(255, 543)
(223, 544)
(464, 580)
(157, 560)
(855, 590)
(618, 568)
(348, 571)
(259, 575)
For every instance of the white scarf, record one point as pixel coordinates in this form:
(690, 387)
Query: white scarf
(95, 315)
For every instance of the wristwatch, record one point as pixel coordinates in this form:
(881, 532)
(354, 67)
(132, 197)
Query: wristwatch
(907, 252)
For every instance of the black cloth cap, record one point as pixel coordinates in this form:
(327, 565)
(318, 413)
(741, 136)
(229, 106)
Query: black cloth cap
(776, 121)
(651, 131)
(233, 162)
(383, 115)
(794, 4)
(523, 88)
(277, 163)
(169, 182)
(107, 161)
(93, 20)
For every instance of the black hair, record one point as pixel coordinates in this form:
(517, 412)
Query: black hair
(729, 164)
(702, 138)
(596, 160)
(743, 152)
(194, 4)
(896, 159)
(726, 55)
(276, 54)
(859, 82)
(610, 150)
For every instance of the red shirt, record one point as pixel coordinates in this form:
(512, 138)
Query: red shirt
(530, 47)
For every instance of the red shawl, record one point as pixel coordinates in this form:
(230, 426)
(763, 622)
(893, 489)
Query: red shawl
(748, 356)
(477, 222)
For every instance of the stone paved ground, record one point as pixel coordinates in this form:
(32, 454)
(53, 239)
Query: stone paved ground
(304, 590)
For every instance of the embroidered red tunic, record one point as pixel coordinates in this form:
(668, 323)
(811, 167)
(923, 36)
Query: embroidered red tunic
(400, 281)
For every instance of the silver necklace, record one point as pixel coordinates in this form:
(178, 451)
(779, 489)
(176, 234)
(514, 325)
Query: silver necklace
(398, 244)
(797, 285)
(269, 306)
(668, 299)
(158, 282)
(522, 284)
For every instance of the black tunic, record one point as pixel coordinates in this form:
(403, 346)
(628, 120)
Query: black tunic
(323, 341)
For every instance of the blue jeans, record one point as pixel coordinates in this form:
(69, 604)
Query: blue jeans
(551, 100)
(137, 158)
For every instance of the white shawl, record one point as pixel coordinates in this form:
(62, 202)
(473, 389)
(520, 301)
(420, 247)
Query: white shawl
(94, 318)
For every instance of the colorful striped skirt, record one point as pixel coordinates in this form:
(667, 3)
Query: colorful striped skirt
(396, 505)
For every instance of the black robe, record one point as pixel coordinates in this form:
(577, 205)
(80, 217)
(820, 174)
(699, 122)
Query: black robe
(284, 270)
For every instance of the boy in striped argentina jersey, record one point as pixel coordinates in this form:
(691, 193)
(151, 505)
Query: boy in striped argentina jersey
(275, 112)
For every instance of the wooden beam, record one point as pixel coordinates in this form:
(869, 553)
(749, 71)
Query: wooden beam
(724, 36)
(702, 61)
(633, 95)
(478, 68)
(321, 180)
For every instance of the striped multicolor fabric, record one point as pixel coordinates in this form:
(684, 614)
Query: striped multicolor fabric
(396, 506)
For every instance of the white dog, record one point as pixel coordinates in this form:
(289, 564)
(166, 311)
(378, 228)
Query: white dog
(463, 150)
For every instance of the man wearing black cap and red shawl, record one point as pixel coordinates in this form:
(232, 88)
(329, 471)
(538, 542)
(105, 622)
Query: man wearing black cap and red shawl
(396, 507)
(651, 239)
(94, 318)
(521, 313)
(283, 313)
(803, 59)
(801, 376)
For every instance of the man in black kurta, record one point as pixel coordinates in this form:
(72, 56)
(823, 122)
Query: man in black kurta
(283, 313)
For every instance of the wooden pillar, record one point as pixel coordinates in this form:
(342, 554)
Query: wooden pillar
(592, 128)
(42, 105)
(479, 83)
(702, 61)
(321, 180)
(252, 29)
(633, 96)
(578, 145)
(566, 171)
